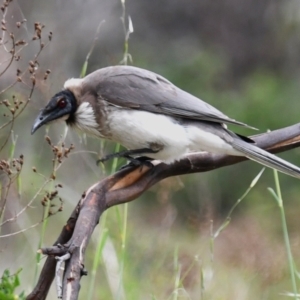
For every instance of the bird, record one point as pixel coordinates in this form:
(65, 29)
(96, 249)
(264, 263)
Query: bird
(151, 117)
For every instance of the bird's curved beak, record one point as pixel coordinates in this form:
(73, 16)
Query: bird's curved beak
(42, 118)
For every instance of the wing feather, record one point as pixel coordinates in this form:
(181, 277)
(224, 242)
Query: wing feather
(136, 88)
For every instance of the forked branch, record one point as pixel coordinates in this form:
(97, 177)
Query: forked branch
(124, 186)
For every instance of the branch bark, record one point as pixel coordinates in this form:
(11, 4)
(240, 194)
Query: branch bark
(124, 186)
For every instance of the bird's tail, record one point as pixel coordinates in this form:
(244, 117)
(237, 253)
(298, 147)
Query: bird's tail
(265, 158)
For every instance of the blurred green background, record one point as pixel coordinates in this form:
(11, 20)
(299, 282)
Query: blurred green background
(240, 56)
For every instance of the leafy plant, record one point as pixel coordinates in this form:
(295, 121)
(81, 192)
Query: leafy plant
(8, 285)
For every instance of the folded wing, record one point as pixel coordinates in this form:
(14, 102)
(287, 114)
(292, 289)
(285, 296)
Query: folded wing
(136, 88)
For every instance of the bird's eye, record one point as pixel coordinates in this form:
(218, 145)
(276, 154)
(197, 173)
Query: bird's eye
(62, 103)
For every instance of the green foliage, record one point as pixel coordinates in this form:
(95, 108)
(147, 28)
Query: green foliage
(8, 285)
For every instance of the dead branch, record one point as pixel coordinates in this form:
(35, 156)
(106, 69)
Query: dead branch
(124, 186)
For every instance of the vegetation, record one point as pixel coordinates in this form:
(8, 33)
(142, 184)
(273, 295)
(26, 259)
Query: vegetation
(8, 285)
(176, 241)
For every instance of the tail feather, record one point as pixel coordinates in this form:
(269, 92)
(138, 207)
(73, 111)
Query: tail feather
(265, 158)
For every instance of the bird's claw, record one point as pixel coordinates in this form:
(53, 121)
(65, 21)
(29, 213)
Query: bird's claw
(133, 162)
(138, 161)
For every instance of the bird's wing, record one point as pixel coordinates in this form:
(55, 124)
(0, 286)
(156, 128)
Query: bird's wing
(136, 88)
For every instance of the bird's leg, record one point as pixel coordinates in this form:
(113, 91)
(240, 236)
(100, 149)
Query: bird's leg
(138, 161)
(128, 154)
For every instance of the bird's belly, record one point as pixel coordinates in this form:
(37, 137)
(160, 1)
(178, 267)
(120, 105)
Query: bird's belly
(135, 129)
(140, 129)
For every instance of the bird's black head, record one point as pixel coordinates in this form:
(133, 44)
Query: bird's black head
(62, 106)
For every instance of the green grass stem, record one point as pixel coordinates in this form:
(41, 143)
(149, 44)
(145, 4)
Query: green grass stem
(278, 197)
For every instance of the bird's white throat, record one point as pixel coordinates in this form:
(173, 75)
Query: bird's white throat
(85, 120)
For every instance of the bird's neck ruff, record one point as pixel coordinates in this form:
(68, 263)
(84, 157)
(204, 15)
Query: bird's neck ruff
(84, 120)
(74, 85)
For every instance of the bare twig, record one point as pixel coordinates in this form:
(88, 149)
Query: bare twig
(12, 51)
(48, 272)
(58, 271)
(24, 209)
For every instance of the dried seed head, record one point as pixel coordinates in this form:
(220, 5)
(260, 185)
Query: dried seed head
(32, 79)
(20, 43)
(54, 193)
(47, 138)
(6, 102)
(55, 149)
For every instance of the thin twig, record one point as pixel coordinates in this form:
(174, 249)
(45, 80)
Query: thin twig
(58, 272)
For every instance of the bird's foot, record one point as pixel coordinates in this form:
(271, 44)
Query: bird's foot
(138, 161)
(108, 157)
(127, 154)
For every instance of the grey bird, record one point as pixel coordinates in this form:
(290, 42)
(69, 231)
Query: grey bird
(150, 116)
